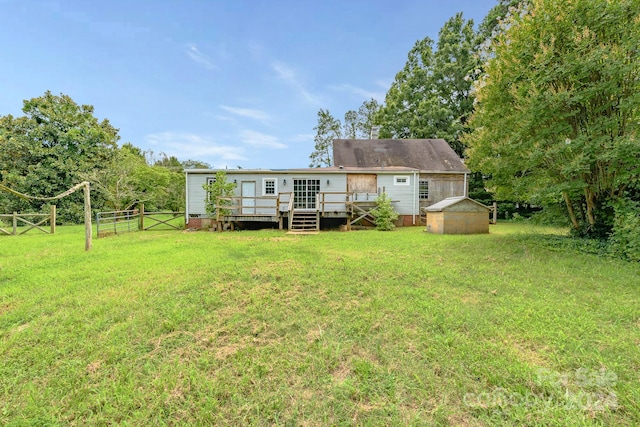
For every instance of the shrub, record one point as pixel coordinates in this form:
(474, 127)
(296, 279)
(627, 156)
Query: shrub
(625, 236)
(218, 188)
(384, 213)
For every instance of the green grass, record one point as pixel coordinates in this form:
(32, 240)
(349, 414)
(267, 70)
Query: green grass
(359, 328)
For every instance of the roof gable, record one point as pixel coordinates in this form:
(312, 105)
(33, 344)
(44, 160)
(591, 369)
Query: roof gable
(450, 202)
(433, 155)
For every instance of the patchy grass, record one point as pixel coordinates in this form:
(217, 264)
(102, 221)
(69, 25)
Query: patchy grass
(360, 328)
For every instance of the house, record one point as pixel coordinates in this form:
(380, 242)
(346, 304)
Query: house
(415, 173)
(458, 215)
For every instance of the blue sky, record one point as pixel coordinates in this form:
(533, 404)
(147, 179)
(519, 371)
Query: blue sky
(232, 83)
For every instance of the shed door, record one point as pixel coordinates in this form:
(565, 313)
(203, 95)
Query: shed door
(248, 197)
(362, 183)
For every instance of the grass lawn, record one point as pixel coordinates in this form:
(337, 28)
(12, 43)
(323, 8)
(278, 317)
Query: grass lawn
(359, 328)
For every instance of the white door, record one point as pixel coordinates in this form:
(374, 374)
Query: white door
(304, 192)
(248, 197)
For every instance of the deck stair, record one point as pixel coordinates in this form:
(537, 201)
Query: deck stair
(304, 221)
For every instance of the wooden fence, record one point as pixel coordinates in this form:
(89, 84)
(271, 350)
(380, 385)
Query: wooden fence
(21, 225)
(117, 222)
(168, 219)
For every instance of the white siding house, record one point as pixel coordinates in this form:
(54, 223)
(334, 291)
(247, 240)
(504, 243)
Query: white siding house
(341, 191)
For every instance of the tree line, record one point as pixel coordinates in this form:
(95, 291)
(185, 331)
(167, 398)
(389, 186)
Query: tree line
(58, 143)
(542, 101)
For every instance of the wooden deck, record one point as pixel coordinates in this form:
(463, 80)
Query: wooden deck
(280, 208)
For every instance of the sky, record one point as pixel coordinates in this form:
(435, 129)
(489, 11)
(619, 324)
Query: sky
(234, 83)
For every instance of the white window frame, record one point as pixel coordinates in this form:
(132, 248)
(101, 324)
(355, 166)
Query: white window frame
(210, 180)
(264, 186)
(420, 181)
(397, 180)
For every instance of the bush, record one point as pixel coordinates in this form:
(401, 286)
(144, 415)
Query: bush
(625, 236)
(216, 189)
(384, 213)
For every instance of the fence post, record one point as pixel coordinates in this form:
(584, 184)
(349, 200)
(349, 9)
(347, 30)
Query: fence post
(88, 231)
(141, 208)
(495, 212)
(53, 219)
(15, 223)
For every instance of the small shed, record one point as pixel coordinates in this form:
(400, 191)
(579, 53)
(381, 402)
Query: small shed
(458, 215)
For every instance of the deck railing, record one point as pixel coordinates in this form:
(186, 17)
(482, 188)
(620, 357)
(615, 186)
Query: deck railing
(275, 206)
(290, 209)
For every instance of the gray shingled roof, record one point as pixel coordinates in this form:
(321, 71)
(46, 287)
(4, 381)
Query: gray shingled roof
(433, 155)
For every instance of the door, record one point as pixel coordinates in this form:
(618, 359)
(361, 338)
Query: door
(304, 193)
(248, 192)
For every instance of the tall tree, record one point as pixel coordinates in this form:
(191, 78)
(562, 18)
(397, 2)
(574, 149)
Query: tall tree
(350, 125)
(559, 108)
(413, 85)
(497, 19)
(365, 120)
(327, 129)
(45, 152)
(432, 96)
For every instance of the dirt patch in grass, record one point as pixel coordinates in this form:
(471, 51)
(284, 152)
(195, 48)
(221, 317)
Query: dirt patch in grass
(94, 367)
(341, 372)
(526, 351)
(315, 334)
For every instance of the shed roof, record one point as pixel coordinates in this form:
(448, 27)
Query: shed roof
(450, 201)
(430, 155)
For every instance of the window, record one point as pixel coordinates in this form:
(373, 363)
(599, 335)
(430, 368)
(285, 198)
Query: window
(210, 180)
(269, 187)
(401, 180)
(423, 189)
(304, 192)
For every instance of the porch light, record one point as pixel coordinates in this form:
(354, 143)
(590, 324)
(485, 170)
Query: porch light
(327, 182)
(284, 182)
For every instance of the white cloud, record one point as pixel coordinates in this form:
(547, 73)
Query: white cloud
(257, 139)
(384, 84)
(302, 137)
(196, 55)
(192, 146)
(361, 93)
(247, 112)
(288, 75)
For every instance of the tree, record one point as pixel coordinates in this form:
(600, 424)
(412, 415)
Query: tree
(327, 130)
(365, 119)
(118, 184)
(412, 85)
(496, 21)
(195, 164)
(559, 109)
(46, 151)
(384, 213)
(218, 188)
(350, 125)
(432, 96)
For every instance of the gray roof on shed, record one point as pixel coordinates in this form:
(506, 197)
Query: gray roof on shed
(432, 155)
(450, 201)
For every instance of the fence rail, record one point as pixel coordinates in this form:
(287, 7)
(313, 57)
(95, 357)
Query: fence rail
(115, 222)
(19, 221)
(169, 219)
